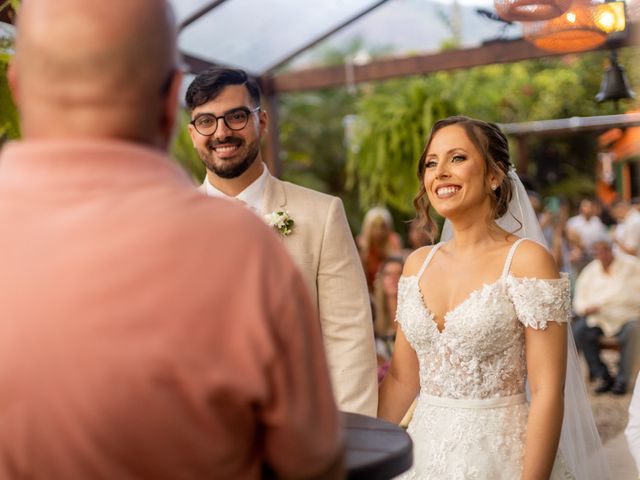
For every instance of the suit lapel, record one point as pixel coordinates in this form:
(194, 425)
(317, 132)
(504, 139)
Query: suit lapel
(275, 198)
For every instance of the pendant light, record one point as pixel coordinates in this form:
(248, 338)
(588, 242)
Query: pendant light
(575, 30)
(530, 10)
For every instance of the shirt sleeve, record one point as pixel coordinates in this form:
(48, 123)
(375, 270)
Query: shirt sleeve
(345, 316)
(581, 291)
(301, 433)
(631, 237)
(539, 301)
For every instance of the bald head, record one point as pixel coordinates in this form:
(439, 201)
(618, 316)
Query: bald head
(95, 68)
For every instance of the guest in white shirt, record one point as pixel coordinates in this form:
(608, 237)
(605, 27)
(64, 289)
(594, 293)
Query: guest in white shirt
(633, 427)
(608, 300)
(627, 233)
(587, 226)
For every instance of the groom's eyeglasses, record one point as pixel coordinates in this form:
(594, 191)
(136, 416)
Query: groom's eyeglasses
(236, 119)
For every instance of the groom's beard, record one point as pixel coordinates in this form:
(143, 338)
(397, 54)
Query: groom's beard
(230, 167)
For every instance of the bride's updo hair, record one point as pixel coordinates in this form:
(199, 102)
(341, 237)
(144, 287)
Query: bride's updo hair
(494, 148)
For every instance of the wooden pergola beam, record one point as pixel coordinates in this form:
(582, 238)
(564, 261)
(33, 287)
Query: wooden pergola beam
(491, 53)
(564, 126)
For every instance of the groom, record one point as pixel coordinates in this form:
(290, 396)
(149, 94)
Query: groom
(226, 128)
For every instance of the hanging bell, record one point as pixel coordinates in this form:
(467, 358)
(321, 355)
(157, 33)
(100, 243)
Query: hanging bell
(615, 85)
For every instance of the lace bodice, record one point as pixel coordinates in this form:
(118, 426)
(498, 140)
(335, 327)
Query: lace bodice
(480, 352)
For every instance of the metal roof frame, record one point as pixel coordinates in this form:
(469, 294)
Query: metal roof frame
(199, 13)
(325, 35)
(491, 52)
(199, 64)
(504, 51)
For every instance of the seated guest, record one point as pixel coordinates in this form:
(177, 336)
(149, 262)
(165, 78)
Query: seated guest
(627, 232)
(377, 240)
(146, 331)
(607, 299)
(582, 231)
(417, 237)
(553, 218)
(385, 303)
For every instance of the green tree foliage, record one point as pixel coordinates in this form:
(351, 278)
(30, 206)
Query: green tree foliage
(9, 122)
(182, 150)
(394, 119)
(388, 137)
(312, 141)
(312, 133)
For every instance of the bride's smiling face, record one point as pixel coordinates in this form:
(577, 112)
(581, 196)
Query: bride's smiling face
(454, 174)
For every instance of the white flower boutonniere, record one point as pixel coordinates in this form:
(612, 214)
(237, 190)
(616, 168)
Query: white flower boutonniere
(281, 221)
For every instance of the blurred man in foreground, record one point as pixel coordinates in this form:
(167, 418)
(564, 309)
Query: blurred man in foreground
(144, 332)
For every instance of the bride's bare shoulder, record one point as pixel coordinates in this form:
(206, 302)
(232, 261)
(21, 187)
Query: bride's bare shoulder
(415, 260)
(532, 260)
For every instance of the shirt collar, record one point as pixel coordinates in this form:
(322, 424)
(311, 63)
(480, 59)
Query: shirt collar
(252, 195)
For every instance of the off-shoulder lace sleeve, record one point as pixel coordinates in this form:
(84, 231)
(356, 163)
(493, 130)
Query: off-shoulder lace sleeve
(538, 301)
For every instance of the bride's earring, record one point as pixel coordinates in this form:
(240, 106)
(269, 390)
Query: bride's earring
(494, 187)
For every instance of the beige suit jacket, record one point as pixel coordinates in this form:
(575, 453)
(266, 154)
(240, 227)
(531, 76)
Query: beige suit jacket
(322, 247)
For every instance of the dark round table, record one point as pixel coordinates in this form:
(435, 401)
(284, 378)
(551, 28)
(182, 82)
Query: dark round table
(375, 449)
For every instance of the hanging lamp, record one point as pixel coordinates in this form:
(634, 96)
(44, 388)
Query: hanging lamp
(575, 30)
(530, 10)
(611, 17)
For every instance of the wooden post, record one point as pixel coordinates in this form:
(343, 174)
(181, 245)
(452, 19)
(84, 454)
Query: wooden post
(271, 145)
(523, 155)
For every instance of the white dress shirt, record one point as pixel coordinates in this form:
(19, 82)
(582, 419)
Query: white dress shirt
(589, 231)
(628, 231)
(615, 293)
(252, 195)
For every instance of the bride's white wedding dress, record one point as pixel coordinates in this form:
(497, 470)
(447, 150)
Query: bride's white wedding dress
(470, 419)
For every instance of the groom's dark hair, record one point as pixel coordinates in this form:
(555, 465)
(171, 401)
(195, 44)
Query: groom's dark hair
(208, 85)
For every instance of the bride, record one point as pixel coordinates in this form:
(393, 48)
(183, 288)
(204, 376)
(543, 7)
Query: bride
(483, 319)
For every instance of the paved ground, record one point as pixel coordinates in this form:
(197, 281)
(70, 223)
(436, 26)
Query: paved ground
(611, 413)
(620, 460)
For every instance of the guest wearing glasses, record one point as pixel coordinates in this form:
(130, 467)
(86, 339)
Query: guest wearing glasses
(227, 126)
